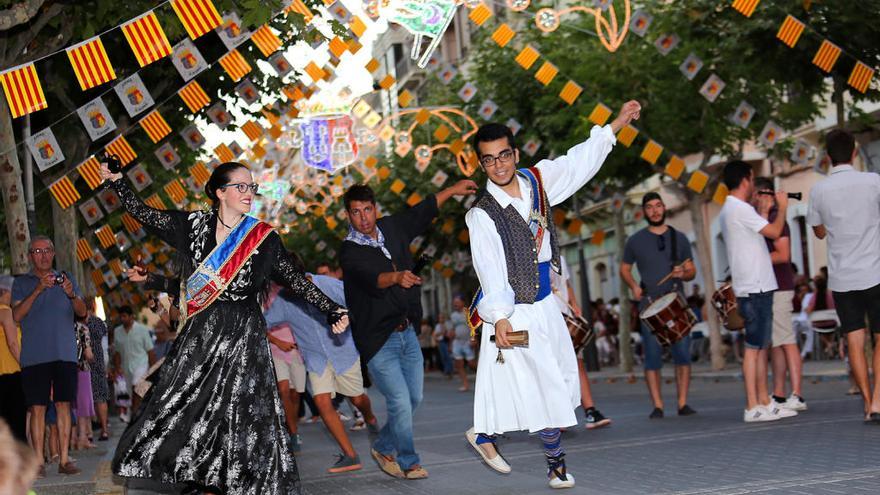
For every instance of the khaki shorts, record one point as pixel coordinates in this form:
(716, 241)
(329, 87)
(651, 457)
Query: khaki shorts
(294, 372)
(349, 384)
(783, 319)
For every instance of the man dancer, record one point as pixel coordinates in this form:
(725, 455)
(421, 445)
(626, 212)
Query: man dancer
(331, 360)
(568, 305)
(657, 250)
(753, 283)
(514, 248)
(785, 353)
(845, 208)
(384, 302)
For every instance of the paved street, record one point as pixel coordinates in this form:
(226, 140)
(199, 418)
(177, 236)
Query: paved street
(825, 450)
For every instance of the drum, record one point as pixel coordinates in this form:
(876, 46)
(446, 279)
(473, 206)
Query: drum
(580, 331)
(724, 301)
(669, 318)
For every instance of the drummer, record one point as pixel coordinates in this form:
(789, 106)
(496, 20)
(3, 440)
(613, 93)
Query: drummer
(659, 250)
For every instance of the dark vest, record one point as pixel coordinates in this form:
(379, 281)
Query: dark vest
(520, 250)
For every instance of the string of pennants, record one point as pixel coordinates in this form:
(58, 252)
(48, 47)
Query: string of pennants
(828, 55)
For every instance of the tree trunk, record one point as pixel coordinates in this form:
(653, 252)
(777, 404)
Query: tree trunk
(65, 233)
(13, 195)
(696, 206)
(626, 350)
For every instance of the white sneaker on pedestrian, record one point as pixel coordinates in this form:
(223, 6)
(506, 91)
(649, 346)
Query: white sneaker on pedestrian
(497, 463)
(780, 411)
(759, 414)
(558, 483)
(794, 403)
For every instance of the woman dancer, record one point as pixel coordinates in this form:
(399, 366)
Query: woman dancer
(213, 419)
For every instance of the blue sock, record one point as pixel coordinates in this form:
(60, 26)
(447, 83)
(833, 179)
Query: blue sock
(483, 438)
(552, 444)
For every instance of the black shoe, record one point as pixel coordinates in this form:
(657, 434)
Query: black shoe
(686, 410)
(873, 419)
(779, 400)
(595, 419)
(657, 413)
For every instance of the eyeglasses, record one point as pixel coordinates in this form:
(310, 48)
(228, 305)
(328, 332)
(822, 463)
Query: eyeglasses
(504, 157)
(661, 243)
(42, 251)
(242, 187)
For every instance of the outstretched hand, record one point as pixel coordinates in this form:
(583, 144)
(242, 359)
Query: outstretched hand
(630, 111)
(338, 320)
(464, 187)
(106, 174)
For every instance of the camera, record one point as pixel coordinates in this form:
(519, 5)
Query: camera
(114, 163)
(59, 278)
(796, 196)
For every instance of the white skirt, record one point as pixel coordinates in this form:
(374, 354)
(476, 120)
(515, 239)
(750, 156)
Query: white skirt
(536, 387)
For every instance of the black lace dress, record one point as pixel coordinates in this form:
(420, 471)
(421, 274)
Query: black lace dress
(213, 418)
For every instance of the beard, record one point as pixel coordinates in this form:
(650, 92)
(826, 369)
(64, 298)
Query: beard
(499, 184)
(658, 222)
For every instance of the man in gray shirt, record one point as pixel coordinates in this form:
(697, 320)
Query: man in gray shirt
(845, 208)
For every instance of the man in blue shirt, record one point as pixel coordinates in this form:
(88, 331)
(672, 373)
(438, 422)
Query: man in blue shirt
(332, 362)
(44, 302)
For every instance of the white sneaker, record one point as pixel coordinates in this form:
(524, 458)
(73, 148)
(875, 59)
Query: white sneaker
(497, 463)
(759, 414)
(794, 403)
(558, 483)
(780, 411)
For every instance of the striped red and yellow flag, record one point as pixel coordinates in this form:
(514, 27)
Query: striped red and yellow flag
(175, 191)
(860, 77)
(115, 266)
(300, 8)
(827, 56)
(83, 249)
(480, 14)
(64, 192)
(97, 279)
(790, 31)
(626, 135)
(235, 65)
(570, 92)
(120, 147)
(315, 72)
(652, 152)
(194, 96)
(197, 16)
(90, 171)
(156, 202)
(90, 63)
(199, 173)
(746, 7)
(131, 225)
(294, 93)
(503, 35)
(23, 90)
(146, 38)
(106, 236)
(337, 47)
(527, 57)
(155, 126)
(546, 73)
(267, 41)
(252, 130)
(224, 154)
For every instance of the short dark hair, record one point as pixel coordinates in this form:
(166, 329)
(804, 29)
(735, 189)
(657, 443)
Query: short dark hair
(735, 172)
(651, 196)
(764, 183)
(126, 310)
(492, 131)
(840, 145)
(359, 192)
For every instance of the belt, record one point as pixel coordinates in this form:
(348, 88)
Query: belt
(544, 286)
(403, 326)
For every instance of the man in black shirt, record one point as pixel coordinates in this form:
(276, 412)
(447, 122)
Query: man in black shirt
(384, 302)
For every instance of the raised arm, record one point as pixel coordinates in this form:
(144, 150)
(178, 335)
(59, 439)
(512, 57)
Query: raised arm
(287, 272)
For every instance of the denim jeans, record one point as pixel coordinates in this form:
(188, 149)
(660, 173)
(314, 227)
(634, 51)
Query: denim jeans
(445, 357)
(757, 311)
(398, 371)
(681, 350)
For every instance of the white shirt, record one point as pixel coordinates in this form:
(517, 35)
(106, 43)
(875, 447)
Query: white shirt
(559, 282)
(562, 177)
(847, 203)
(750, 267)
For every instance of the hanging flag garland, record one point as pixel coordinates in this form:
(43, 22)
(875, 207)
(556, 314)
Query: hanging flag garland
(90, 63)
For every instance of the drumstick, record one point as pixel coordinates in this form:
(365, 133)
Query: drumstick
(669, 275)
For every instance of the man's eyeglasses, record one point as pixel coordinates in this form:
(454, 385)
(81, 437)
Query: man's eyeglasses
(242, 187)
(504, 157)
(42, 251)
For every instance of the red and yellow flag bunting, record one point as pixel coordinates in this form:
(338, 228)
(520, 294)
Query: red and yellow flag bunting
(120, 147)
(199, 173)
(194, 96)
(106, 236)
(131, 225)
(155, 126)
(235, 65)
(90, 63)
(252, 130)
(90, 171)
(24, 94)
(156, 202)
(83, 249)
(224, 154)
(300, 8)
(266, 40)
(146, 38)
(197, 16)
(175, 191)
(64, 192)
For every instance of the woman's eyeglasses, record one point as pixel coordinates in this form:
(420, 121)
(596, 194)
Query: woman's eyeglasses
(242, 187)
